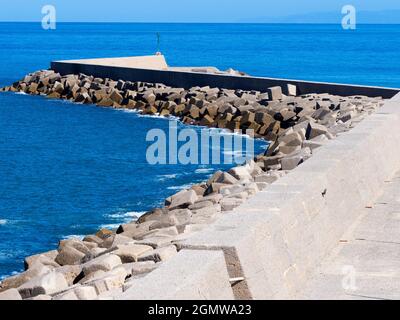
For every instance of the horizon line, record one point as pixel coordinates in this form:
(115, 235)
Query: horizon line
(213, 22)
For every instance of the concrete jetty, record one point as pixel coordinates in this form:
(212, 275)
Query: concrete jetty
(279, 240)
(144, 70)
(314, 217)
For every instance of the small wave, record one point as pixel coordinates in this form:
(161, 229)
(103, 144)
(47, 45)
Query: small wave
(174, 118)
(110, 226)
(9, 275)
(222, 132)
(73, 236)
(186, 186)
(152, 116)
(158, 116)
(3, 222)
(21, 93)
(234, 152)
(124, 215)
(167, 176)
(129, 110)
(204, 170)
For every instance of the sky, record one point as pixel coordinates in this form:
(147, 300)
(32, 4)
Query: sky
(196, 11)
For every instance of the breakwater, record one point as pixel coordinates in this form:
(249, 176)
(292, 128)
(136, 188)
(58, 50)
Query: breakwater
(104, 264)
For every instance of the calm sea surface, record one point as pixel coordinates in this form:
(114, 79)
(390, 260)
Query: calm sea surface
(68, 169)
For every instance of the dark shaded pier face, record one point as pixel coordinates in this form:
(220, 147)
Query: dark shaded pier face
(154, 69)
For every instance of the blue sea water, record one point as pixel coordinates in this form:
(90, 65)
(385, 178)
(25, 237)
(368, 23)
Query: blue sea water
(68, 169)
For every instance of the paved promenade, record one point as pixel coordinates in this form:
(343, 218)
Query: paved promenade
(366, 262)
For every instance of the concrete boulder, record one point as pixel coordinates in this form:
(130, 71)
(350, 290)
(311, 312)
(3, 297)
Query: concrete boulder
(168, 232)
(69, 296)
(115, 96)
(201, 205)
(182, 216)
(268, 177)
(104, 233)
(314, 130)
(47, 284)
(105, 263)
(69, 256)
(85, 293)
(74, 243)
(183, 199)
(158, 255)
(156, 241)
(46, 259)
(214, 177)
(10, 294)
(291, 90)
(161, 215)
(139, 231)
(275, 93)
(34, 271)
(241, 173)
(208, 211)
(114, 240)
(130, 252)
(214, 198)
(70, 273)
(292, 161)
(112, 280)
(142, 267)
(227, 178)
(228, 204)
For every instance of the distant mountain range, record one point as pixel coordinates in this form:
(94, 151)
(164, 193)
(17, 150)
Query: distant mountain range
(367, 17)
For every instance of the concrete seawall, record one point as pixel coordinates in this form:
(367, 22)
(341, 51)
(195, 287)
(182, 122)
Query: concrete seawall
(272, 245)
(240, 235)
(276, 240)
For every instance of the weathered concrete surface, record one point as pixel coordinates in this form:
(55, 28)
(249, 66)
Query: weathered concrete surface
(365, 263)
(282, 234)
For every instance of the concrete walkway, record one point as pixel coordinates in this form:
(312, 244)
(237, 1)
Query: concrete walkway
(144, 62)
(366, 262)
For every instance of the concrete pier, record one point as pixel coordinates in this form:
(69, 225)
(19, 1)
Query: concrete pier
(145, 62)
(299, 237)
(153, 69)
(314, 217)
(278, 240)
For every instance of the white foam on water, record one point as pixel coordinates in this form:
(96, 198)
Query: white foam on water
(73, 236)
(9, 275)
(204, 170)
(234, 152)
(3, 222)
(185, 186)
(126, 215)
(128, 110)
(157, 116)
(167, 176)
(110, 226)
